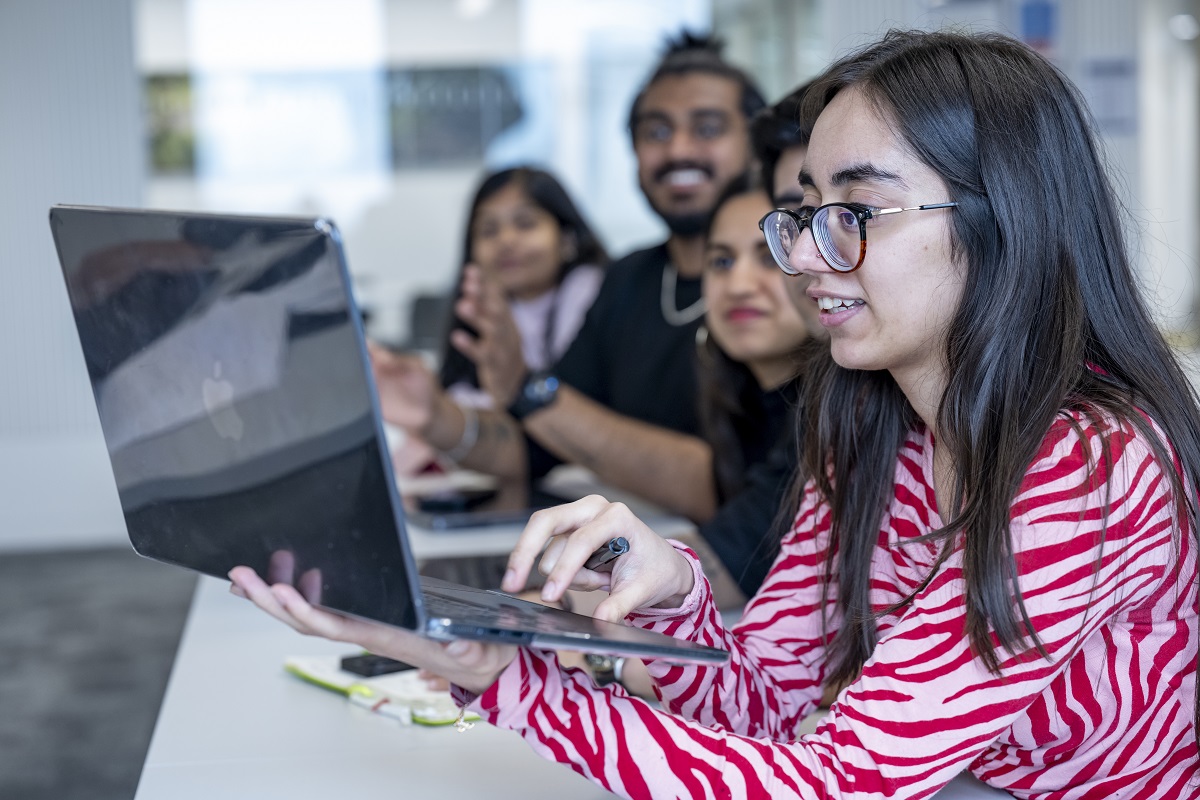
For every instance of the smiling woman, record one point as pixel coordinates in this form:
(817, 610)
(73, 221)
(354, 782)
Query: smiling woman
(525, 233)
(758, 340)
(529, 249)
(750, 313)
(994, 548)
(889, 315)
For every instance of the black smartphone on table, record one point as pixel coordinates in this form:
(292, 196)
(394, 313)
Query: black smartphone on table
(370, 665)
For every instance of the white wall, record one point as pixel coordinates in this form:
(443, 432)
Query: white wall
(70, 133)
(1169, 111)
(1152, 158)
(70, 93)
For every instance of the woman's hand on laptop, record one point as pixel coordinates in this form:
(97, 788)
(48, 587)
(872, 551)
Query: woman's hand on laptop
(471, 665)
(651, 573)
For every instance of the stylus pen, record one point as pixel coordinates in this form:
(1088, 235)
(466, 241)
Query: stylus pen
(616, 546)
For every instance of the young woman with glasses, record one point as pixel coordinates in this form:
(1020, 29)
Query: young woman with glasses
(755, 343)
(996, 531)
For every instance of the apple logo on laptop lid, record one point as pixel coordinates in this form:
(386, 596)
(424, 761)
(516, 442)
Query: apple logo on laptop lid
(217, 394)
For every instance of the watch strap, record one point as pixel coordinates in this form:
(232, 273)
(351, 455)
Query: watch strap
(605, 669)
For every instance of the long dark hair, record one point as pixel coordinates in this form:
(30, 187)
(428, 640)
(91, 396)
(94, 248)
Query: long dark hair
(547, 194)
(1051, 319)
(729, 395)
(777, 128)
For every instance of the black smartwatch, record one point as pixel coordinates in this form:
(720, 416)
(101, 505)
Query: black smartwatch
(539, 390)
(605, 669)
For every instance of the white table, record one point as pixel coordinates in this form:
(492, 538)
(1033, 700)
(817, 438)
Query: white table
(234, 725)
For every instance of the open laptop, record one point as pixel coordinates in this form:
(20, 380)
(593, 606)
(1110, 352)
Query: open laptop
(230, 373)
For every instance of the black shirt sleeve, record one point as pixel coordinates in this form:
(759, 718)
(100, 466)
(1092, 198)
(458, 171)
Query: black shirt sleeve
(582, 365)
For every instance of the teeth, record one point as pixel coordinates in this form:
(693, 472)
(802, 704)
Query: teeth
(835, 303)
(685, 177)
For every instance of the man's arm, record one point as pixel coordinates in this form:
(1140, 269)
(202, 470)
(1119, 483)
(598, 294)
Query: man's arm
(668, 468)
(409, 397)
(671, 469)
(499, 446)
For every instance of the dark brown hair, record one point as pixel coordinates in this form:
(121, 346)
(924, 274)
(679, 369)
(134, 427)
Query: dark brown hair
(778, 128)
(690, 53)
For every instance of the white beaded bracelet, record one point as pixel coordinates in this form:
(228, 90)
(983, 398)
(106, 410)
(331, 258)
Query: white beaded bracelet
(470, 435)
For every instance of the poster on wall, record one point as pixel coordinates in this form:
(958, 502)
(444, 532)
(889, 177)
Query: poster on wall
(1110, 87)
(1039, 26)
(170, 132)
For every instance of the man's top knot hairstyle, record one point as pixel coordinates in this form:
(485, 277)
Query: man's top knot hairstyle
(689, 52)
(688, 46)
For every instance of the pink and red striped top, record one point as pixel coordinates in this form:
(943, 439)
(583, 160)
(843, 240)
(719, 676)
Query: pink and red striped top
(1110, 714)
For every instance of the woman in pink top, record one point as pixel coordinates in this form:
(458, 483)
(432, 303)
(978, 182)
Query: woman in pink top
(994, 549)
(527, 238)
(525, 233)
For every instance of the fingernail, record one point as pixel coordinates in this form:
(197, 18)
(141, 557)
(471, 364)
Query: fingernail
(457, 648)
(510, 575)
(549, 590)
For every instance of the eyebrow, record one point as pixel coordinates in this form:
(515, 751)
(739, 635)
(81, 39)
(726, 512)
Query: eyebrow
(691, 113)
(857, 173)
(788, 199)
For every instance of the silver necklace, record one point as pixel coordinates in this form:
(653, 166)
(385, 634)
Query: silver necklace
(673, 316)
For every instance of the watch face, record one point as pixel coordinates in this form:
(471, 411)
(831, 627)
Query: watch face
(599, 663)
(543, 389)
(538, 392)
(605, 669)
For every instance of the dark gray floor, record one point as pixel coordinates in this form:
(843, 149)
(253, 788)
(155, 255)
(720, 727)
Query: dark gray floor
(87, 639)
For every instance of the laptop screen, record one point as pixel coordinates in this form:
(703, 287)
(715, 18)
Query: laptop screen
(229, 373)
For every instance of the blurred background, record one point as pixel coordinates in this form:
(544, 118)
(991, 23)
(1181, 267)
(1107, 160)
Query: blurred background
(382, 114)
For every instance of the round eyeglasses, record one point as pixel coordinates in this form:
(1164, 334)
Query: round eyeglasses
(839, 230)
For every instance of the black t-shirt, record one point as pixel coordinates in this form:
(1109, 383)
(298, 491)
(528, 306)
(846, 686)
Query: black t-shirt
(627, 357)
(743, 532)
(765, 419)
